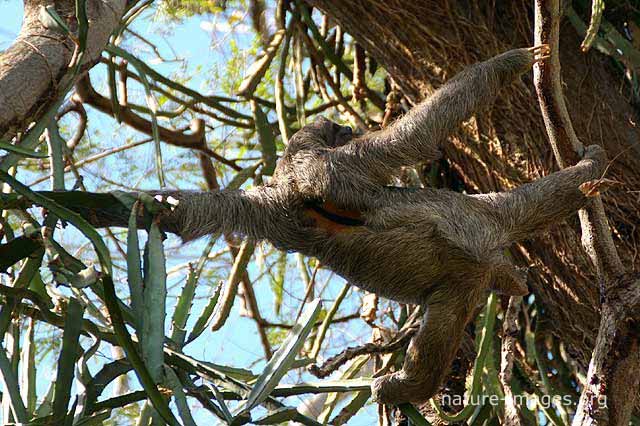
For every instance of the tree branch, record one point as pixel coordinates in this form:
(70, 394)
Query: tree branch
(35, 67)
(566, 146)
(194, 140)
(614, 371)
(399, 341)
(99, 209)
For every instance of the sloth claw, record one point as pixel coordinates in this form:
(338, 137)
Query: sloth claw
(540, 52)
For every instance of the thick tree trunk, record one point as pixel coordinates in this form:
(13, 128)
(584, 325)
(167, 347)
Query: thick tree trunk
(422, 43)
(36, 66)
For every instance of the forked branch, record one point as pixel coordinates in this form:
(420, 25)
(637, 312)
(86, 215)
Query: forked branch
(399, 341)
(613, 379)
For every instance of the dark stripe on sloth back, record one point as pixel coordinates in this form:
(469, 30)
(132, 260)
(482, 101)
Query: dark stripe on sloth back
(342, 217)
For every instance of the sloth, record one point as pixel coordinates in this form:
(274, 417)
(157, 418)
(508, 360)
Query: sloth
(329, 198)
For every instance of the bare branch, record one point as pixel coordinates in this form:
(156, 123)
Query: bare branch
(566, 146)
(399, 341)
(614, 371)
(194, 140)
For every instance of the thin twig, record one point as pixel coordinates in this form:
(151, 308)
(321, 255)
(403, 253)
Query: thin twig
(194, 140)
(399, 341)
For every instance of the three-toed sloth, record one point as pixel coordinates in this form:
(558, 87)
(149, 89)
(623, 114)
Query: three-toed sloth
(330, 199)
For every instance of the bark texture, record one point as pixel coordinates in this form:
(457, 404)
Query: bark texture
(423, 43)
(614, 375)
(35, 67)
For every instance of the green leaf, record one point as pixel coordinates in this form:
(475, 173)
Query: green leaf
(180, 398)
(134, 268)
(277, 283)
(11, 388)
(315, 349)
(70, 262)
(113, 87)
(124, 339)
(65, 214)
(597, 9)
(239, 267)
(413, 415)
(282, 359)
(241, 374)
(332, 400)
(324, 386)
(241, 177)
(256, 71)
(205, 316)
(280, 415)
(154, 312)
(29, 367)
(67, 359)
(185, 301)
(327, 50)
(56, 158)
(221, 402)
(29, 270)
(16, 250)
(83, 24)
(301, 94)
(183, 307)
(266, 138)
(97, 419)
(50, 19)
(486, 337)
(46, 404)
(279, 91)
(350, 410)
(212, 101)
(151, 103)
(32, 138)
(24, 152)
(84, 375)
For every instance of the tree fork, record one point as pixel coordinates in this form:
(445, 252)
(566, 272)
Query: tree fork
(613, 378)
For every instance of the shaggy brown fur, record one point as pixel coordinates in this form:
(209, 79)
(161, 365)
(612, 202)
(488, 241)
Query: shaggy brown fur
(329, 199)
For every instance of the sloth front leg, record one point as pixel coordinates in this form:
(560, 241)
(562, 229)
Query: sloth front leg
(431, 350)
(255, 213)
(533, 207)
(419, 134)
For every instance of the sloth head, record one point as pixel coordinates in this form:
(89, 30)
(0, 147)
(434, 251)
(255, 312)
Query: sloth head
(321, 134)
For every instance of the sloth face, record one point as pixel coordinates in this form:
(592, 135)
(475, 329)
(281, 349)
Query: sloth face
(322, 133)
(334, 134)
